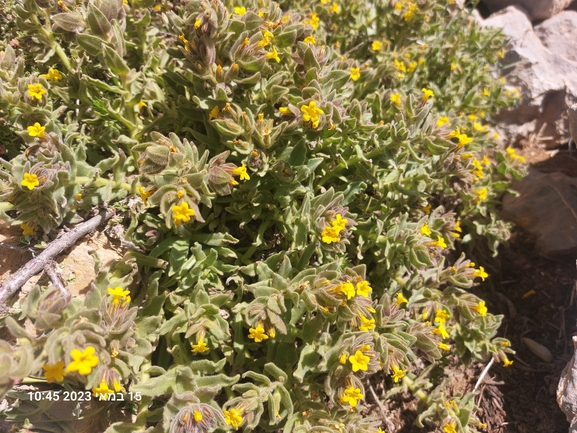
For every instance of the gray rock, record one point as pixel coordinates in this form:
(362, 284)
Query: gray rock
(536, 9)
(546, 208)
(559, 34)
(547, 80)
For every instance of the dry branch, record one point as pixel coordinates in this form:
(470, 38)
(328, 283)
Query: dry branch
(56, 247)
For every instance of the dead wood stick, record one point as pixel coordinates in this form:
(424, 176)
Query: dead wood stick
(50, 270)
(56, 247)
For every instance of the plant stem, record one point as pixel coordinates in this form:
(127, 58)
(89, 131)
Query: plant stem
(53, 43)
(100, 182)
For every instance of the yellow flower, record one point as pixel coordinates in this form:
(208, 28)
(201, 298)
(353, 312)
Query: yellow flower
(36, 90)
(181, 213)
(330, 234)
(486, 160)
(401, 299)
(449, 428)
(480, 273)
(377, 45)
(54, 372)
(144, 194)
(102, 391)
(30, 181)
(481, 309)
(141, 105)
(339, 222)
(398, 374)
(444, 346)
(396, 98)
(359, 361)
(355, 74)
(485, 92)
(412, 66)
(482, 193)
(52, 74)
(284, 111)
(398, 6)
(501, 53)
(351, 396)
(240, 10)
(427, 93)
(507, 362)
(441, 316)
(273, 55)
(200, 346)
(348, 289)
(363, 289)
(335, 8)
(197, 24)
(440, 242)
(257, 334)
(117, 294)
(213, 113)
(458, 227)
(84, 361)
(442, 121)
(425, 230)
(343, 358)
(315, 20)
(400, 66)
(116, 385)
(368, 324)
(266, 38)
(410, 12)
(241, 171)
(311, 113)
(463, 138)
(233, 418)
(310, 40)
(441, 330)
(28, 230)
(478, 127)
(197, 416)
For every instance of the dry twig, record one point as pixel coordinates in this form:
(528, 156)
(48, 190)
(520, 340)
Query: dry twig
(54, 249)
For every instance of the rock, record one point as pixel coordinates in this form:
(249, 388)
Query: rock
(559, 34)
(545, 77)
(567, 390)
(536, 9)
(547, 209)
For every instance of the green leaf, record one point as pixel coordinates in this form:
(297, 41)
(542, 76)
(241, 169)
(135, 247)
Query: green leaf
(116, 63)
(99, 24)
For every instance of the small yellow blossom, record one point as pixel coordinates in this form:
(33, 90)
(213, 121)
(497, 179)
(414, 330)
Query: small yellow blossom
(181, 213)
(343, 358)
(377, 45)
(401, 299)
(200, 346)
(257, 334)
(28, 230)
(83, 362)
(449, 428)
(144, 194)
(347, 289)
(412, 66)
(367, 324)
(197, 24)
(398, 374)
(501, 53)
(102, 391)
(478, 127)
(442, 121)
(118, 294)
(267, 37)
(355, 74)
(240, 10)
(284, 111)
(273, 55)
(213, 113)
(311, 113)
(440, 242)
(486, 160)
(330, 234)
(241, 171)
(482, 193)
(463, 138)
(363, 289)
(396, 99)
(30, 181)
(36, 90)
(485, 92)
(310, 40)
(359, 361)
(458, 227)
(441, 316)
(197, 416)
(315, 20)
(507, 362)
(233, 418)
(480, 273)
(141, 105)
(427, 93)
(441, 330)
(351, 396)
(481, 309)
(53, 74)
(54, 372)
(398, 6)
(410, 12)
(335, 8)
(427, 209)
(444, 346)
(425, 230)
